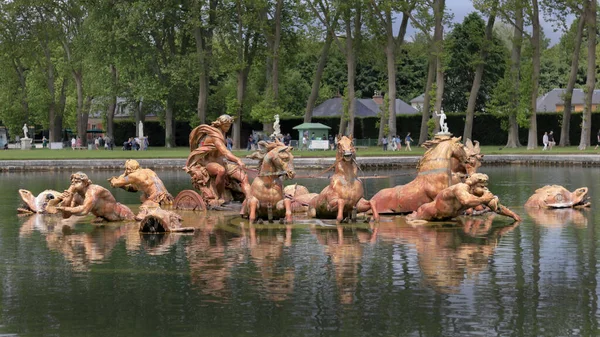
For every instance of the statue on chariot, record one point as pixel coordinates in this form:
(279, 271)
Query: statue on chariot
(217, 173)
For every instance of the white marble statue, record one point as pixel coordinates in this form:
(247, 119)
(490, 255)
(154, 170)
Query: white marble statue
(141, 129)
(25, 131)
(276, 128)
(443, 125)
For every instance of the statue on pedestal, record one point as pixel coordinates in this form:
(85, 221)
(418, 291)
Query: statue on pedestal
(25, 131)
(219, 175)
(276, 129)
(443, 125)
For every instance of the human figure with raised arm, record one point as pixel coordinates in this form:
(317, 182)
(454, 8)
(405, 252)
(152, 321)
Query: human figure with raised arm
(96, 200)
(211, 165)
(443, 125)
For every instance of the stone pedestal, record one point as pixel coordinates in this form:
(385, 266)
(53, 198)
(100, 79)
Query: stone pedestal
(26, 143)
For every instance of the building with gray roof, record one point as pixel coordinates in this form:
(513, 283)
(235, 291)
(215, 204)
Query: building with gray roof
(365, 107)
(553, 101)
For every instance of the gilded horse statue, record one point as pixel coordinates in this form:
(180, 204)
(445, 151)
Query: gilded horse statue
(266, 197)
(437, 169)
(344, 194)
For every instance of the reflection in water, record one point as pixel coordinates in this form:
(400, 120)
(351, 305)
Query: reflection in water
(559, 217)
(80, 249)
(481, 276)
(344, 247)
(447, 255)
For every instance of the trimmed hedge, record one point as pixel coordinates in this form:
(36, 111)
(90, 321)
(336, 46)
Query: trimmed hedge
(486, 129)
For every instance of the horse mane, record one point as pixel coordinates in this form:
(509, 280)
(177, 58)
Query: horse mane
(264, 148)
(432, 144)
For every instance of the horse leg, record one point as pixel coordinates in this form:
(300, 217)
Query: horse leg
(364, 205)
(340, 211)
(288, 210)
(252, 206)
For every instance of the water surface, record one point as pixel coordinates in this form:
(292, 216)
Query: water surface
(480, 276)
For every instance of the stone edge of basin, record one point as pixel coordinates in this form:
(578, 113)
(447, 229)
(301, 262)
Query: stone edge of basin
(300, 163)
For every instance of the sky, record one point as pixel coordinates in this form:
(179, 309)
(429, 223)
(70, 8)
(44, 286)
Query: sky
(462, 8)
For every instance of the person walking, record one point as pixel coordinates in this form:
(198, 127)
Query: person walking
(597, 140)
(384, 141)
(398, 143)
(545, 141)
(304, 143)
(407, 141)
(551, 141)
(393, 145)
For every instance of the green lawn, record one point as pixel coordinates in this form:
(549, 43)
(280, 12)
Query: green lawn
(183, 152)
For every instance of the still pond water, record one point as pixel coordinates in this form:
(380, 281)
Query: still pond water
(483, 276)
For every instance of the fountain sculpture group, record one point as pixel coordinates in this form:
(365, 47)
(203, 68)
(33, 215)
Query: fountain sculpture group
(447, 185)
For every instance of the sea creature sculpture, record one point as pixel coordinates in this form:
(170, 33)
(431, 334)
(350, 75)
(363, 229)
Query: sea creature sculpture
(154, 219)
(42, 203)
(344, 194)
(266, 197)
(445, 156)
(555, 196)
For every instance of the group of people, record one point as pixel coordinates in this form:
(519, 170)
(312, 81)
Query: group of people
(136, 144)
(254, 139)
(548, 141)
(99, 142)
(396, 143)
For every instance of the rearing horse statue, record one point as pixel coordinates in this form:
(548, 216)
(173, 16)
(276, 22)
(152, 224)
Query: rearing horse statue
(444, 157)
(345, 191)
(266, 196)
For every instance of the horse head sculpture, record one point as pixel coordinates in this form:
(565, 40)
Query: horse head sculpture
(445, 156)
(266, 191)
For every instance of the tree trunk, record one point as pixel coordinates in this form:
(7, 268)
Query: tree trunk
(532, 141)
(314, 93)
(513, 126)
(21, 73)
(203, 76)
(351, 94)
(276, 43)
(586, 126)
(489, 29)
(112, 105)
(60, 107)
(82, 116)
(203, 37)
(169, 124)
(565, 131)
(426, 113)
(438, 40)
(241, 91)
(390, 53)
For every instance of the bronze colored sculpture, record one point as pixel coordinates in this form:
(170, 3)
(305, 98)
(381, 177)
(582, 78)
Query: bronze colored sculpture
(96, 200)
(266, 196)
(207, 164)
(344, 194)
(454, 200)
(145, 180)
(445, 156)
(154, 219)
(555, 196)
(41, 204)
